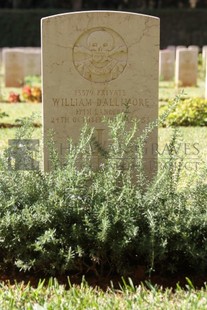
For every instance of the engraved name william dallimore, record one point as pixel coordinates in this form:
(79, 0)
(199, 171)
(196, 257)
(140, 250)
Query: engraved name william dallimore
(100, 55)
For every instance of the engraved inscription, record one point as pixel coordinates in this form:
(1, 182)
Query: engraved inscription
(93, 119)
(100, 102)
(93, 105)
(100, 55)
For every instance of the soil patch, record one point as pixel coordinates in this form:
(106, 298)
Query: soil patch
(7, 125)
(104, 282)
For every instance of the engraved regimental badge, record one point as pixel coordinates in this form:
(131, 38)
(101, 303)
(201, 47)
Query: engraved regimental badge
(100, 55)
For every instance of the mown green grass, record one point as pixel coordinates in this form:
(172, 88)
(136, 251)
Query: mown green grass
(17, 111)
(54, 296)
(167, 90)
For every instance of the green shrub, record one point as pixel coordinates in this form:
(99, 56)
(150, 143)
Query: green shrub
(189, 112)
(3, 114)
(111, 220)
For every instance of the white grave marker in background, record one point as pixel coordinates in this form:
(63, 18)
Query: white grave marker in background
(204, 55)
(32, 65)
(166, 65)
(186, 68)
(13, 62)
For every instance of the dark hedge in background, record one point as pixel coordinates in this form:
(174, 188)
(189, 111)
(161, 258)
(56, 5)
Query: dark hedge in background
(178, 27)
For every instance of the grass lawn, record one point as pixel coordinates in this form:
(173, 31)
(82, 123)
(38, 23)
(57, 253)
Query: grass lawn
(167, 90)
(55, 296)
(17, 111)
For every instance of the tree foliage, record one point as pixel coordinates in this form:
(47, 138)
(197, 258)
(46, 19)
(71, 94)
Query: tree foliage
(100, 4)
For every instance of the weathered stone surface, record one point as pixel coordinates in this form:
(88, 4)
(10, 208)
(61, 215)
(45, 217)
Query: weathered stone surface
(204, 55)
(194, 48)
(13, 63)
(94, 64)
(166, 65)
(172, 48)
(206, 83)
(186, 68)
(19, 63)
(32, 65)
(180, 47)
(1, 56)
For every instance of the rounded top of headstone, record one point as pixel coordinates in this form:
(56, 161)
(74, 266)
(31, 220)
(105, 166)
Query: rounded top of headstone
(102, 12)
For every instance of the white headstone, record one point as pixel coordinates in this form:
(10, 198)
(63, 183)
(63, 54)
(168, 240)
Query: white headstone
(32, 62)
(0, 56)
(166, 65)
(204, 55)
(194, 48)
(13, 63)
(172, 48)
(93, 64)
(206, 83)
(180, 47)
(186, 68)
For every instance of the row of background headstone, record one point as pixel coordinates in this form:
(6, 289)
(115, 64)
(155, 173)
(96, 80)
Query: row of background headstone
(175, 63)
(19, 63)
(181, 64)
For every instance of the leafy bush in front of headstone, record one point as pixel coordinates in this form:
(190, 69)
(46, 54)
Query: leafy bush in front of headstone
(189, 112)
(101, 221)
